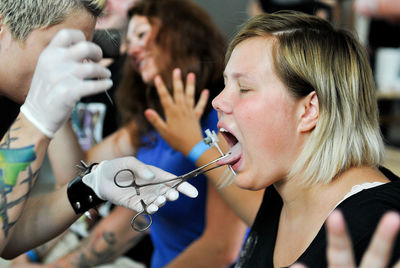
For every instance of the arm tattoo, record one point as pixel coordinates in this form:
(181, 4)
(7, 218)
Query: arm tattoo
(12, 162)
(94, 257)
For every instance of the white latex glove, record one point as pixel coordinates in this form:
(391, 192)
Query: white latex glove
(67, 70)
(101, 180)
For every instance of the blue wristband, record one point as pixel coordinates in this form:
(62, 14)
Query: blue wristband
(197, 151)
(33, 257)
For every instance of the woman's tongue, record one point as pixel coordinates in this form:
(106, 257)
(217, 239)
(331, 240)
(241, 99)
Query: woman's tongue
(235, 153)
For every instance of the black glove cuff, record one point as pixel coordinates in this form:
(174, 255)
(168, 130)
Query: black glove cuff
(81, 196)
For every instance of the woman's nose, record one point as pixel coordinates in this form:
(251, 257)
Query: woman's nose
(134, 48)
(221, 102)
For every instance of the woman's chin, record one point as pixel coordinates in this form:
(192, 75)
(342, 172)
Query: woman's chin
(245, 181)
(148, 79)
(148, 76)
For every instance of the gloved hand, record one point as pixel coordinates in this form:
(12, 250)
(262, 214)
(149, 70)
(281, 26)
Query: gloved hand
(66, 71)
(101, 180)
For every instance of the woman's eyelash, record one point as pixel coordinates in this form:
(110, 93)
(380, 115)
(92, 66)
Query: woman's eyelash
(244, 90)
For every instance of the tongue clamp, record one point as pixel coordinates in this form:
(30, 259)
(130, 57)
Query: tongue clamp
(212, 140)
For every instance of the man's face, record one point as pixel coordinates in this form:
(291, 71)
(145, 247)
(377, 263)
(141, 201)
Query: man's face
(19, 59)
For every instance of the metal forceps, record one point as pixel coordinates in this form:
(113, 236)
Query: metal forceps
(180, 179)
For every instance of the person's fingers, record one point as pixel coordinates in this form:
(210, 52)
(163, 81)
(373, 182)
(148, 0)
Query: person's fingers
(165, 98)
(155, 119)
(339, 250)
(202, 103)
(84, 51)
(160, 201)
(188, 189)
(177, 85)
(67, 37)
(190, 89)
(152, 208)
(380, 248)
(90, 87)
(91, 70)
(172, 194)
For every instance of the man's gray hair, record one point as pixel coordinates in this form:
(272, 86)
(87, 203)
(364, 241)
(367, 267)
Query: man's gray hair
(24, 16)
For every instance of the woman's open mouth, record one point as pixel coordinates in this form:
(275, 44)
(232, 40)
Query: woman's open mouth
(138, 62)
(235, 149)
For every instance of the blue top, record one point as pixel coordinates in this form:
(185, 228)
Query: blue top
(177, 224)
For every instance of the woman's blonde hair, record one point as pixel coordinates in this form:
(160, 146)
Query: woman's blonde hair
(311, 55)
(24, 16)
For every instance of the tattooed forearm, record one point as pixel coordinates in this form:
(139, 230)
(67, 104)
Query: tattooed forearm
(93, 256)
(7, 205)
(7, 137)
(13, 162)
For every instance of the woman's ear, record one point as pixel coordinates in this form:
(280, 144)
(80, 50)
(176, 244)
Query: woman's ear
(309, 112)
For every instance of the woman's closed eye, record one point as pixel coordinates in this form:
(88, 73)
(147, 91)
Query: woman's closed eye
(244, 90)
(244, 87)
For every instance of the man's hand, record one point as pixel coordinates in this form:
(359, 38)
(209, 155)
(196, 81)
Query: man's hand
(66, 71)
(101, 180)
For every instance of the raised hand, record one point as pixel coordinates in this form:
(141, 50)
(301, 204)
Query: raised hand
(181, 127)
(340, 250)
(340, 253)
(66, 71)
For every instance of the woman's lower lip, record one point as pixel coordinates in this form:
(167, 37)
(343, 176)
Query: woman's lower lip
(237, 164)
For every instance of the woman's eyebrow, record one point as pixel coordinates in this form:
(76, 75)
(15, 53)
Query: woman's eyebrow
(237, 75)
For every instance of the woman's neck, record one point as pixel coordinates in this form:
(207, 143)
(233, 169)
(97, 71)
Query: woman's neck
(299, 199)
